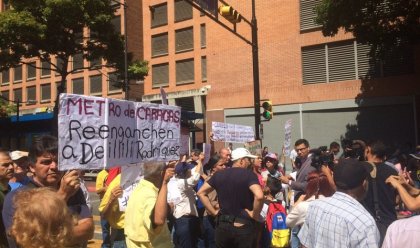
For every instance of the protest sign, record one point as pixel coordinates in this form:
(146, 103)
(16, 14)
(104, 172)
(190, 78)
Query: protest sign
(287, 137)
(207, 153)
(96, 132)
(130, 177)
(254, 147)
(185, 144)
(232, 132)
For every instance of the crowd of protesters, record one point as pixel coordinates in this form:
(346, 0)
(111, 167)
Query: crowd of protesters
(237, 199)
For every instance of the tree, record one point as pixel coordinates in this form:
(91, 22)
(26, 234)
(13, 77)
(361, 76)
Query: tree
(6, 108)
(61, 28)
(384, 24)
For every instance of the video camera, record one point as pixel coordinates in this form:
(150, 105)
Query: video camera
(321, 156)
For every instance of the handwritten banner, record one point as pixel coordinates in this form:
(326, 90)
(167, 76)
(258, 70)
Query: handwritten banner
(287, 136)
(96, 132)
(254, 147)
(232, 132)
(130, 177)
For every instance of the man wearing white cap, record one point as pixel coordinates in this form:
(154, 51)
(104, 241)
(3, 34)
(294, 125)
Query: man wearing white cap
(240, 202)
(20, 166)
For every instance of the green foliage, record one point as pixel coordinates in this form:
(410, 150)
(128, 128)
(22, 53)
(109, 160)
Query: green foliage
(138, 70)
(40, 28)
(380, 23)
(6, 108)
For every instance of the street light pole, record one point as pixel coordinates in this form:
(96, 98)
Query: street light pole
(255, 72)
(125, 52)
(18, 123)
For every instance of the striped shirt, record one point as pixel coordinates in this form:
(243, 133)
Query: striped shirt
(338, 221)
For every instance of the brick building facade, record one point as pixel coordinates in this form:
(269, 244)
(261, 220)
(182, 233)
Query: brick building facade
(327, 86)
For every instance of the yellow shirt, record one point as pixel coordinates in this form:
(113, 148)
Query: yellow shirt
(114, 216)
(100, 179)
(138, 224)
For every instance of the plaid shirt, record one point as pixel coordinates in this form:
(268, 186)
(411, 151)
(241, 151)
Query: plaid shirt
(338, 221)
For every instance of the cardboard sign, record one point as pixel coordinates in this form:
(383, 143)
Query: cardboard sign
(96, 132)
(287, 137)
(254, 147)
(232, 132)
(130, 177)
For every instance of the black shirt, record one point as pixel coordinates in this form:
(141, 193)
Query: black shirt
(232, 187)
(386, 194)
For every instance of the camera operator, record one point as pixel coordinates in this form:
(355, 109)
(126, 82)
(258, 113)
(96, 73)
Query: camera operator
(323, 161)
(354, 149)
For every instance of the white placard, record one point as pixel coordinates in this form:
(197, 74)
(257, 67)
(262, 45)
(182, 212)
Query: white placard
(232, 132)
(130, 177)
(207, 153)
(287, 137)
(96, 132)
(185, 144)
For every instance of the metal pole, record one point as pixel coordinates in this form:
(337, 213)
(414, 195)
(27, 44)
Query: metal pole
(255, 71)
(125, 53)
(18, 124)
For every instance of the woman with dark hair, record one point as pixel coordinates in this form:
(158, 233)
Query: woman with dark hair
(215, 164)
(270, 166)
(318, 187)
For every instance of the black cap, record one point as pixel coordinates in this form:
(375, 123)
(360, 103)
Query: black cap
(350, 173)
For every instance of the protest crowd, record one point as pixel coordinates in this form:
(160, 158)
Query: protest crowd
(357, 194)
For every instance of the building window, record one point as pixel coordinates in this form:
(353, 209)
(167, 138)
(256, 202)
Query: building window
(18, 74)
(17, 95)
(95, 63)
(203, 35)
(113, 84)
(78, 86)
(204, 68)
(186, 103)
(5, 77)
(46, 68)
(78, 61)
(340, 61)
(57, 84)
(95, 85)
(31, 95)
(183, 11)
(308, 14)
(185, 71)
(116, 22)
(159, 15)
(160, 44)
(31, 71)
(184, 40)
(160, 75)
(45, 92)
(59, 64)
(5, 94)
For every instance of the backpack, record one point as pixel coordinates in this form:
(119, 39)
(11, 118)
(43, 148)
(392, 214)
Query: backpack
(276, 225)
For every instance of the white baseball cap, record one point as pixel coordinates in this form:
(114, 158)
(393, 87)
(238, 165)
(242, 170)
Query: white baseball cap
(15, 155)
(239, 153)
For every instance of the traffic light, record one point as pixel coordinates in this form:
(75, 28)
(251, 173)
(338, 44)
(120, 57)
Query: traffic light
(268, 110)
(229, 13)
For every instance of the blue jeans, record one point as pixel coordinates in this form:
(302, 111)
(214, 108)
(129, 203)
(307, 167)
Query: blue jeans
(294, 241)
(209, 226)
(106, 237)
(118, 238)
(186, 231)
